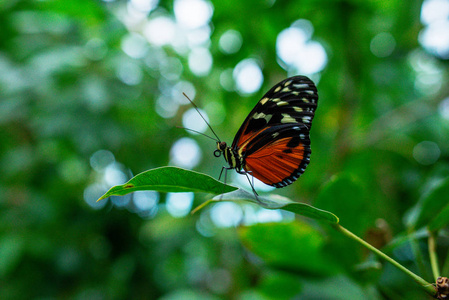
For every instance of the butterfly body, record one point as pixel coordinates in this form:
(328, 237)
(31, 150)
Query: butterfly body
(273, 143)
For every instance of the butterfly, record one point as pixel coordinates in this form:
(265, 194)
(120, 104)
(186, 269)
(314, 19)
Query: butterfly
(273, 143)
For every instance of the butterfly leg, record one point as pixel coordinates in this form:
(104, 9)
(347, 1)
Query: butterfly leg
(251, 184)
(225, 177)
(221, 173)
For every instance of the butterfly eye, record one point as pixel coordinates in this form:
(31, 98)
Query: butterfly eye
(222, 146)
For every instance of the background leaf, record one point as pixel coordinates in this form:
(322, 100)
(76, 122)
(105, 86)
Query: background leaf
(433, 207)
(346, 197)
(295, 246)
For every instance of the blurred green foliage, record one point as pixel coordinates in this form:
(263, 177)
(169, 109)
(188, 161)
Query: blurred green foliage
(71, 85)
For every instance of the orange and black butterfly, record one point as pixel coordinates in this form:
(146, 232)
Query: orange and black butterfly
(273, 143)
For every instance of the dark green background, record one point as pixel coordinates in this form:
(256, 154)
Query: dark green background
(61, 101)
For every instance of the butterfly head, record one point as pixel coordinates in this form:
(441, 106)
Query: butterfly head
(221, 148)
(229, 155)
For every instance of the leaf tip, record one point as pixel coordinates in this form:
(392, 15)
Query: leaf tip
(101, 198)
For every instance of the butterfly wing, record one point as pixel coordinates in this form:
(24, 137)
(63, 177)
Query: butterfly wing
(292, 100)
(274, 138)
(279, 155)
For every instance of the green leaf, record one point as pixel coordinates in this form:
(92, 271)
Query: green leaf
(280, 285)
(279, 202)
(345, 196)
(169, 179)
(293, 246)
(440, 220)
(433, 208)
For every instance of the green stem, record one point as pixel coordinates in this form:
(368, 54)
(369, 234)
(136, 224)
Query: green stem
(205, 203)
(424, 284)
(433, 256)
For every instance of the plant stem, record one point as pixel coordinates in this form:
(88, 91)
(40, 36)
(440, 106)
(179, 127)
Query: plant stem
(424, 284)
(205, 203)
(433, 256)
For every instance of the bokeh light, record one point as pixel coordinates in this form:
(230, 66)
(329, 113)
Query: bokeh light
(134, 45)
(230, 41)
(171, 68)
(383, 44)
(226, 214)
(114, 174)
(444, 108)
(192, 120)
(426, 153)
(145, 200)
(200, 61)
(434, 10)
(129, 72)
(435, 35)
(144, 5)
(227, 80)
(429, 76)
(289, 44)
(160, 31)
(179, 204)
(192, 13)
(166, 107)
(266, 215)
(95, 49)
(199, 37)
(92, 193)
(183, 87)
(185, 153)
(248, 76)
(254, 214)
(299, 54)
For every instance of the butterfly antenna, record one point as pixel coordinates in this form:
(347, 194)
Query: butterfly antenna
(198, 133)
(196, 108)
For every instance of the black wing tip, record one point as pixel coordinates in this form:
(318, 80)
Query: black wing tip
(295, 175)
(301, 78)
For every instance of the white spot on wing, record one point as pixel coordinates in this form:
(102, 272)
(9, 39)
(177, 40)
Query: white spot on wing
(306, 119)
(262, 116)
(286, 118)
(268, 118)
(301, 85)
(264, 100)
(259, 115)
